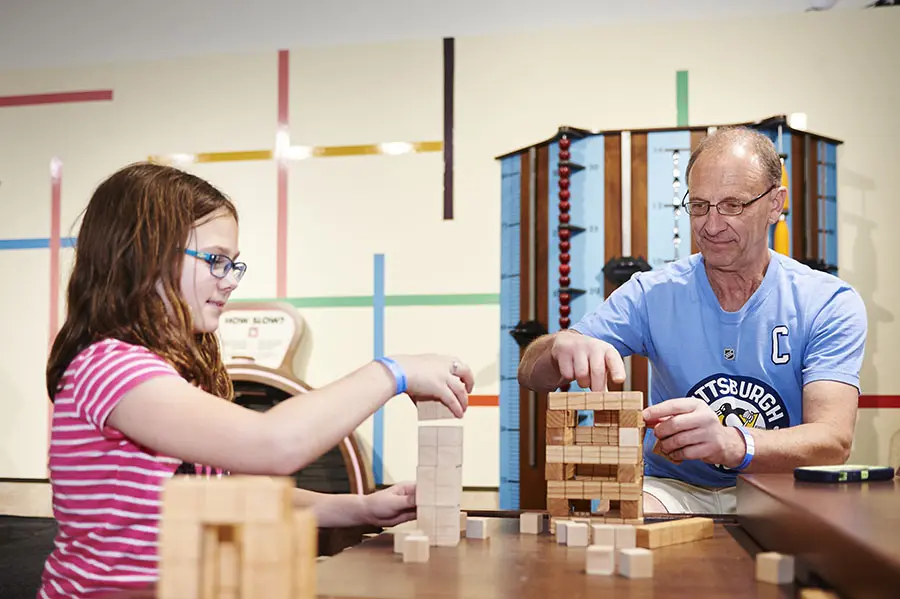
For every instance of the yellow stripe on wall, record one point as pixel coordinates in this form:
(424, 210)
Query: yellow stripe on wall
(395, 148)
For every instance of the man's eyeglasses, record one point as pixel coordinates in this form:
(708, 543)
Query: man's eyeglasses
(730, 207)
(220, 265)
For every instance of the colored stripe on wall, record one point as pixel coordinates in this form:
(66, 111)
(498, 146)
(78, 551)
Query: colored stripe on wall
(38, 243)
(449, 62)
(366, 301)
(282, 142)
(378, 322)
(681, 97)
(99, 95)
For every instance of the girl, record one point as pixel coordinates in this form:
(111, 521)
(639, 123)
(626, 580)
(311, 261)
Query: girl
(138, 384)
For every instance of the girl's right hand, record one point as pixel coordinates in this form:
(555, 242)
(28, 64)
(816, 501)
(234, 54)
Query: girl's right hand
(442, 378)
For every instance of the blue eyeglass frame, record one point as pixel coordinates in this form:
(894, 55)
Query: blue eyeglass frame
(238, 267)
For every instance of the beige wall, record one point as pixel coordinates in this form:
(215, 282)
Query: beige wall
(511, 91)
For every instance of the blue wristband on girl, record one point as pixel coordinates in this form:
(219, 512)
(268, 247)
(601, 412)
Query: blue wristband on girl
(399, 375)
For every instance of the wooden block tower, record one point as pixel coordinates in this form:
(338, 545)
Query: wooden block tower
(602, 462)
(439, 476)
(237, 537)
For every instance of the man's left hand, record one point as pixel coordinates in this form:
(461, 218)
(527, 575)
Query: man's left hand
(688, 429)
(391, 506)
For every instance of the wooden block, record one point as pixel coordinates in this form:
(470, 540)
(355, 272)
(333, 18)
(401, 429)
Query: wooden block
(448, 475)
(583, 434)
(416, 549)
(635, 562)
(463, 521)
(575, 489)
(556, 489)
(817, 594)
(266, 542)
(306, 551)
(447, 536)
(774, 568)
(433, 410)
(600, 560)
(428, 455)
(426, 520)
(449, 436)
(673, 532)
(558, 400)
(400, 535)
(554, 454)
(626, 473)
(560, 418)
(447, 496)
(449, 455)
(477, 528)
(558, 471)
(577, 534)
(603, 534)
(576, 400)
(558, 506)
(629, 455)
(609, 455)
(224, 502)
(593, 489)
(630, 491)
(590, 455)
(180, 540)
(613, 400)
(572, 454)
(561, 436)
(183, 497)
(562, 531)
(428, 436)
(625, 536)
(632, 400)
(531, 523)
(266, 499)
(629, 437)
(658, 451)
(594, 400)
(631, 419)
(631, 509)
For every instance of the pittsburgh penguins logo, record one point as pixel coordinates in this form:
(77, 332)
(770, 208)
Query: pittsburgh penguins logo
(742, 401)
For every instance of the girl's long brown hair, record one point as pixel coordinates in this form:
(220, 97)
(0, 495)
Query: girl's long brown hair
(129, 255)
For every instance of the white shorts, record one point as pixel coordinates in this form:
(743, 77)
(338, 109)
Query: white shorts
(679, 497)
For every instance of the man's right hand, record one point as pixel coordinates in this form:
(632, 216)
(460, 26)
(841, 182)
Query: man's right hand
(586, 360)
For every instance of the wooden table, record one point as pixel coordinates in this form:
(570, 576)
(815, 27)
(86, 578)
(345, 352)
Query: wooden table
(521, 566)
(848, 535)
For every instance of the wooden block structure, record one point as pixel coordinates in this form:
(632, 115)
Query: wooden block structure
(603, 462)
(237, 537)
(439, 478)
(774, 568)
(673, 532)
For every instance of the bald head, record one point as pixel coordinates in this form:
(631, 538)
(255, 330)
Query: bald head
(740, 141)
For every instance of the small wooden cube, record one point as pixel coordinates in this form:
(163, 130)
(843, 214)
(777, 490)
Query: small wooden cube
(604, 534)
(416, 548)
(428, 436)
(600, 560)
(629, 437)
(635, 562)
(449, 436)
(463, 521)
(577, 534)
(625, 536)
(531, 523)
(562, 527)
(774, 567)
(400, 537)
(477, 528)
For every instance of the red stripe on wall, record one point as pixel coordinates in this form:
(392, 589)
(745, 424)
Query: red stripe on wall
(282, 144)
(879, 401)
(99, 95)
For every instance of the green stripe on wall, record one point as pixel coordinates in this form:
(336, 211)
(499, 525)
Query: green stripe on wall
(681, 92)
(365, 301)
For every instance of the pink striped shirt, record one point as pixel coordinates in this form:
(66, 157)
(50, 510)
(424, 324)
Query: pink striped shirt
(106, 488)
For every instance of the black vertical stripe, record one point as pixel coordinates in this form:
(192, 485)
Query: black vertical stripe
(448, 127)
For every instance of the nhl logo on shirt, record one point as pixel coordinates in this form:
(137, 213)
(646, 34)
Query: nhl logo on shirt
(729, 353)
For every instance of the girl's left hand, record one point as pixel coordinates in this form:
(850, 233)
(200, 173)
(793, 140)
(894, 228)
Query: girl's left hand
(391, 506)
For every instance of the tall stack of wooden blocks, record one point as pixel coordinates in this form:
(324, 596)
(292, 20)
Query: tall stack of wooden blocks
(439, 476)
(238, 537)
(603, 462)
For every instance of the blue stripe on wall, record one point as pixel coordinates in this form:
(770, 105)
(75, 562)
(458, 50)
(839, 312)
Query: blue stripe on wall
(34, 244)
(378, 318)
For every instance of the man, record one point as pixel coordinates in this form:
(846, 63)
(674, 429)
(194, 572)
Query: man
(755, 357)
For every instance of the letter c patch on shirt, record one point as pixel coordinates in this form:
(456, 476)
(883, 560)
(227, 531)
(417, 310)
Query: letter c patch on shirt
(778, 357)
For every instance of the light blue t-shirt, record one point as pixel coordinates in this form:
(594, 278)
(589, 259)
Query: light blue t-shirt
(750, 366)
